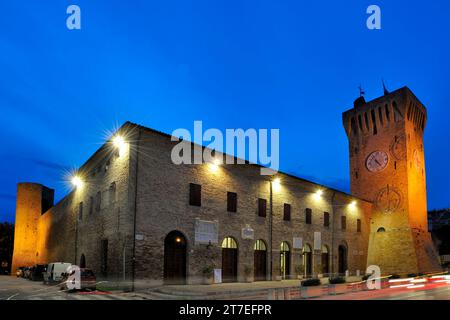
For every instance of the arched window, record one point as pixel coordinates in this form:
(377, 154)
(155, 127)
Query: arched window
(285, 246)
(229, 260)
(260, 245)
(325, 259)
(229, 243)
(285, 260)
(260, 260)
(381, 229)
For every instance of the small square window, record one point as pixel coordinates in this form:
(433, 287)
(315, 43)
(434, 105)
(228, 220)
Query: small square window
(343, 222)
(358, 225)
(262, 207)
(326, 219)
(195, 194)
(308, 216)
(287, 212)
(231, 202)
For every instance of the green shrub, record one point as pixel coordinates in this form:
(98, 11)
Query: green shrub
(336, 280)
(311, 282)
(412, 275)
(394, 276)
(208, 271)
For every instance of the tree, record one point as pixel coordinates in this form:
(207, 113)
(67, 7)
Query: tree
(6, 246)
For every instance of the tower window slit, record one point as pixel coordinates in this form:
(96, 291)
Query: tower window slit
(380, 115)
(374, 122)
(366, 119)
(360, 123)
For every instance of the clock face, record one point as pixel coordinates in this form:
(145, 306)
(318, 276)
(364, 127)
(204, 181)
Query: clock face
(388, 200)
(416, 159)
(377, 161)
(398, 147)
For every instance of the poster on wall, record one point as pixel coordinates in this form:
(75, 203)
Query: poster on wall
(297, 243)
(206, 232)
(317, 240)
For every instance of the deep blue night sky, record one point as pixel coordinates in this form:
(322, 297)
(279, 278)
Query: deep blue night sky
(293, 65)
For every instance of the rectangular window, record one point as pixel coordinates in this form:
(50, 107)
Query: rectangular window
(104, 257)
(231, 202)
(343, 222)
(308, 216)
(326, 219)
(91, 205)
(195, 194)
(80, 211)
(358, 225)
(98, 201)
(262, 207)
(287, 212)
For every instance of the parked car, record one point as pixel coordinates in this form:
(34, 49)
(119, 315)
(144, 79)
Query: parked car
(87, 280)
(37, 272)
(19, 272)
(54, 271)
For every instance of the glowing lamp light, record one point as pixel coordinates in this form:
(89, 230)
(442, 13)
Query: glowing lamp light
(352, 205)
(119, 142)
(318, 194)
(214, 165)
(77, 182)
(178, 239)
(276, 184)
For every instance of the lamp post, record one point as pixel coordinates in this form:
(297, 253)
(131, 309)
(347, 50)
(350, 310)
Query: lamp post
(271, 229)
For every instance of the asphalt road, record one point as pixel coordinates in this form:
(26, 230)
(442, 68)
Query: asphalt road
(12, 288)
(429, 292)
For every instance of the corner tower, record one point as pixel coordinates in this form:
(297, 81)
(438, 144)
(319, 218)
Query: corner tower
(32, 201)
(387, 167)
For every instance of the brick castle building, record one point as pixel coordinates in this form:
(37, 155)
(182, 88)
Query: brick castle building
(138, 216)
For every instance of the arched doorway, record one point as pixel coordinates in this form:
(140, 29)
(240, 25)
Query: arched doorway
(82, 261)
(307, 259)
(229, 260)
(260, 260)
(175, 258)
(342, 258)
(325, 260)
(285, 260)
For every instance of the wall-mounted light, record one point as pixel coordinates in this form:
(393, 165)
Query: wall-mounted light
(276, 184)
(318, 194)
(352, 205)
(77, 182)
(119, 143)
(214, 165)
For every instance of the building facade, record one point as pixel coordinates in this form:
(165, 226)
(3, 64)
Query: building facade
(387, 166)
(138, 216)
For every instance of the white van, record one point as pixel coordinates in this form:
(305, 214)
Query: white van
(54, 271)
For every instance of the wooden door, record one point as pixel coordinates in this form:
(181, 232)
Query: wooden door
(229, 264)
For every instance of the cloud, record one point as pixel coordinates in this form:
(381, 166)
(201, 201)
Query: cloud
(49, 164)
(7, 196)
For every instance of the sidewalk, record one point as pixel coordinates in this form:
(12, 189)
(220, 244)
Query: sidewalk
(254, 290)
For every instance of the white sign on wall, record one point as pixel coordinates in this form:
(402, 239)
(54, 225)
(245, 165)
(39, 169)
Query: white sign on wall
(317, 240)
(297, 243)
(217, 275)
(248, 233)
(206, 232)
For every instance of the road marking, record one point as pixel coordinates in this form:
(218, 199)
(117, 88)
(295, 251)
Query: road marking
(14, 295)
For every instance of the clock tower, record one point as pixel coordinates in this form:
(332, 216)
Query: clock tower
(387, 167)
